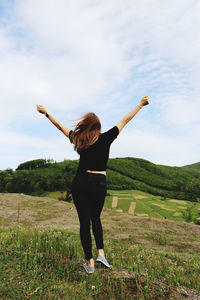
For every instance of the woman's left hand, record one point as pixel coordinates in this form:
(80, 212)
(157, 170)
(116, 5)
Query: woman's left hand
(41, 109)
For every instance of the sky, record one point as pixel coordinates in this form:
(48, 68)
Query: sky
(83, 56)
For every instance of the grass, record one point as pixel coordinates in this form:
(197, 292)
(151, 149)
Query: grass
(151, 258)
(46, 264)
(53, 195)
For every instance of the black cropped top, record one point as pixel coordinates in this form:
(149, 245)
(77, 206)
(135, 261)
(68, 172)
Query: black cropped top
(95, 157)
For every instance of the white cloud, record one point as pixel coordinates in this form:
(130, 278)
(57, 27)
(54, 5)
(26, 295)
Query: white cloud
(181, 113)
(156, 147)
(21, 147)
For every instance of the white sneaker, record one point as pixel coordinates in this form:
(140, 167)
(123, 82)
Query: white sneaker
(88, 269)
(103, 261)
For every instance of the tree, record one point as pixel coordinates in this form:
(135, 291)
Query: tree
(188, 213)
(35, 164)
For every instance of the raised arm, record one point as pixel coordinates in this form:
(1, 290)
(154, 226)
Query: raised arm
(62, 128)
(132, 113)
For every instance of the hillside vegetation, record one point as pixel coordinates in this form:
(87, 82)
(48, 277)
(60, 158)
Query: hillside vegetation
(38, 176)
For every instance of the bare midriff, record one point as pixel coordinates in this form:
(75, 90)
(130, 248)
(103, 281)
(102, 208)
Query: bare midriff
(96, 172)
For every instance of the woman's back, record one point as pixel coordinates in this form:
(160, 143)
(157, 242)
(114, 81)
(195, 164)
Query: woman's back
(95, 157)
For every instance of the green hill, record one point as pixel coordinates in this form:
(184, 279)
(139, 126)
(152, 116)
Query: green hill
(195, 166)
(38, 176)
(193, 169)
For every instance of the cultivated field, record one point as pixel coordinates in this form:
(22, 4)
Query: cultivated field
(139, 203)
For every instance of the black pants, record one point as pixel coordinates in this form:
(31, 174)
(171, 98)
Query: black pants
(89, 191)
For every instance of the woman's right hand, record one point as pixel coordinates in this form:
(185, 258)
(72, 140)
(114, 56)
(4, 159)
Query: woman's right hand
(41, 109)
(144, 101)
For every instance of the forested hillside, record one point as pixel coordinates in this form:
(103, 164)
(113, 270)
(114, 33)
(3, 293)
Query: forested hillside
(38, 176)
(193, 168)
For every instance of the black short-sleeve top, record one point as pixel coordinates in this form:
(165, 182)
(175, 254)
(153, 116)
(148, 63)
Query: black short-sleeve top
(95, 157)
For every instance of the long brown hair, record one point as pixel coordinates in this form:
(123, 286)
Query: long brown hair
(86, 132)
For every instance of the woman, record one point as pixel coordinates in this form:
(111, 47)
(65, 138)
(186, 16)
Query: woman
(89, 184)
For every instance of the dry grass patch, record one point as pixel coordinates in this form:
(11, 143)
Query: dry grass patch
(177, 201)
(162, 206)
(114, 201)
(177, 214)
(139, 197)
(19, 209)
(142, 215)
(132, 208)
(138, 228)
(182, 207)
(121, 194)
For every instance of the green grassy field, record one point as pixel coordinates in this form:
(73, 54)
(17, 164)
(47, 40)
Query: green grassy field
(41, 255)
(153, 206)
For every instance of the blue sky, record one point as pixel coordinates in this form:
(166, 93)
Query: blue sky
(101, 56)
